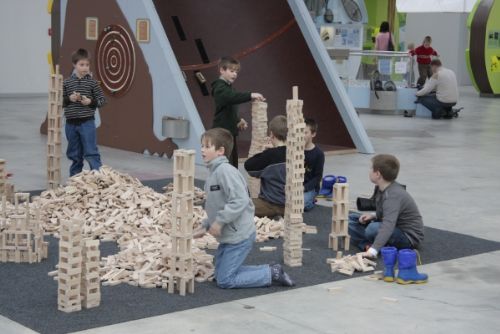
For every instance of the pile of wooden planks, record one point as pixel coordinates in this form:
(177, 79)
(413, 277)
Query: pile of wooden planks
(112, 204)
(145, 262)
(274, 229)
(268, 228)
(199, 194)
(348, 264)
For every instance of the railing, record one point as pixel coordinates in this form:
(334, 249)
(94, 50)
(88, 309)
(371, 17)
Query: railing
(360, 65)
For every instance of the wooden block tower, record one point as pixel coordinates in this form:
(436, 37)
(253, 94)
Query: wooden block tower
(292, 245)
(54, 125)
(181, 274)
(90, 290)
(259, 139)
(21, 238)
(340, 217)
(70, 266)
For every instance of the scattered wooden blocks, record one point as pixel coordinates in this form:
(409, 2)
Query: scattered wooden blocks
(348, 264)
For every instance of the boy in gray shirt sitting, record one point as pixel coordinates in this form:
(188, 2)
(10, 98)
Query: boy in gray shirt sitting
(230, 218)
(397, 221)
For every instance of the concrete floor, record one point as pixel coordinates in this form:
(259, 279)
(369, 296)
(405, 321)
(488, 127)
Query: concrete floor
(450, 167)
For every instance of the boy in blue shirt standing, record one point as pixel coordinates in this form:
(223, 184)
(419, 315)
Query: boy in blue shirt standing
(230, 218)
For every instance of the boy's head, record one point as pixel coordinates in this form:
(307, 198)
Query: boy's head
(229, 68)
(385, 167)
(310, 131)
(427, 41)
(435, 65)
(81, 62)
(278, 129)
(216, 143)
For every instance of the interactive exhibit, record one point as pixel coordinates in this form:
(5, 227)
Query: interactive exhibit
(347, 29)
(483, 54)
(155, 61)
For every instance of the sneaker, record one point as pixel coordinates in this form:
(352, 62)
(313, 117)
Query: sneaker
(278, 275)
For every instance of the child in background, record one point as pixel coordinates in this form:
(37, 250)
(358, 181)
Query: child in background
(81, 96)
(226, 101)
(424, 55)
(230, 218)
(314, 163)
(270, 167)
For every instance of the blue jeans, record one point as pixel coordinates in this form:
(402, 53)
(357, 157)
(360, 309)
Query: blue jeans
(436, 107)
(82, 144)
(364, 234)
(309, 197)
(230, 272)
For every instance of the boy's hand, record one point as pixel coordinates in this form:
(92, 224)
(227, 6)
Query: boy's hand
(199, 232)
(365, 218)
(85, 100)
(215, 229)
(257, 97)
(368, 255)
(75, 97)
(242, 124)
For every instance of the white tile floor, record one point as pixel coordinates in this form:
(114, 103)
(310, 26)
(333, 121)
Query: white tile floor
(451, 169)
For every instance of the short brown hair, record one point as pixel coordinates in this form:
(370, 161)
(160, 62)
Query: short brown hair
(436, 62)
(229, 62)
(387, 165)
(219, 137)
(428, 39)
(79, 54)
(278, 127)
(311, 123)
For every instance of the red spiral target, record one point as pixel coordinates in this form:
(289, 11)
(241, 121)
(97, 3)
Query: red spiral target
(115, 60)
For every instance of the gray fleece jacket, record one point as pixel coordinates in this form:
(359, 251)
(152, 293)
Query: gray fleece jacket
(228, 202)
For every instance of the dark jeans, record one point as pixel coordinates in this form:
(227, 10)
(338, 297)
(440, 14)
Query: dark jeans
(363, 235)
(233, 158)
(82, 144)
(424, 72)
(437, 108)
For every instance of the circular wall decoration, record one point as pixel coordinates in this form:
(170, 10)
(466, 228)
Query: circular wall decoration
(115, 60)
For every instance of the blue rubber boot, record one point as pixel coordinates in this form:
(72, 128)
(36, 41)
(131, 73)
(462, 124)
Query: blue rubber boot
(327, 186)
(408, 273)
(389, 255)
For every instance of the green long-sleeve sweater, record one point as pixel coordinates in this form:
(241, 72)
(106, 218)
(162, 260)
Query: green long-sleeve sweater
(226, 109)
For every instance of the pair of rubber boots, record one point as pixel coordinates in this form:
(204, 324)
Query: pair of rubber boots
(407, 265)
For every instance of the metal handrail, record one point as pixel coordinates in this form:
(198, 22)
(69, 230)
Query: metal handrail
(379, 53)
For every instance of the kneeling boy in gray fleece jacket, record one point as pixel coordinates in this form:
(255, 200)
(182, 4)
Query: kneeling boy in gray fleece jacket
(230, 219)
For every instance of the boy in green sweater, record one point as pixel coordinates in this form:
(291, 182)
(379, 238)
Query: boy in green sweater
(226, 101)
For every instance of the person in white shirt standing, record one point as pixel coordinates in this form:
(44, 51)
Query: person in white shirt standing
(440, 92)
